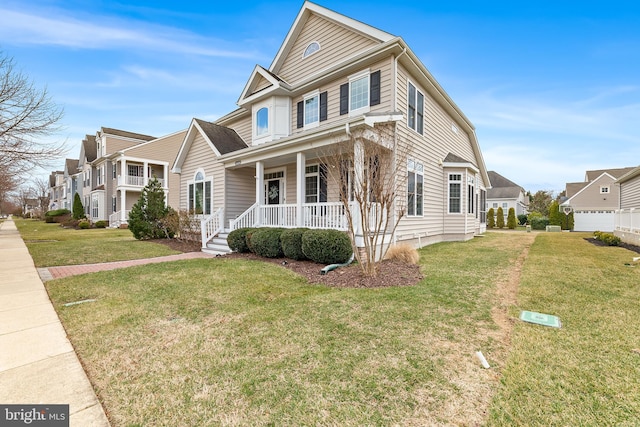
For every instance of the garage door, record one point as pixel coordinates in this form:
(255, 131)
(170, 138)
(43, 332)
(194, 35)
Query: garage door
(593, 221)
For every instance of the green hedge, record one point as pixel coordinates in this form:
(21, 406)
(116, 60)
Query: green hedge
(265, 242)
(57, 212)
(326, 246)
(102, 224)
(539, 223)
(291, 240)
(607, 238)
(237, 239)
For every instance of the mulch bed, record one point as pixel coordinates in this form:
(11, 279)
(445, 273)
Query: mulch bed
(390, 273)
(628, 246)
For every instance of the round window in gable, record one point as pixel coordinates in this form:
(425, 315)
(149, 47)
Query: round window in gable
(311, 49)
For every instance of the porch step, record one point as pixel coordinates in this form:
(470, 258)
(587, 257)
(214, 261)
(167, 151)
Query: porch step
(218, 245)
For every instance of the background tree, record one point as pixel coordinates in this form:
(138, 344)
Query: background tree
(491, 218)
(370, 170)
(540, 202)
(500, 218)
(78, 209)
(41, 188)
(555, 216)
(511, 219)
(28, 117)
(146, 220)
(8, 184)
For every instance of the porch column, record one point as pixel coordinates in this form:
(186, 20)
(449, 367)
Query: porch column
(358, 172)
(123, 205)
(145, 173)
(165, 176)
(259, 189)
(301, 161)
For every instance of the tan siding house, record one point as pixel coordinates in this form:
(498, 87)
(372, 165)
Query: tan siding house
(334, 76)
(627, 217)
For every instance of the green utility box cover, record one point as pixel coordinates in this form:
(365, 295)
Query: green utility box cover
(540, 319)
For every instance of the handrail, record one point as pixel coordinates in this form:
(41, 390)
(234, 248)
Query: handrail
(211, 225)
(245, 219)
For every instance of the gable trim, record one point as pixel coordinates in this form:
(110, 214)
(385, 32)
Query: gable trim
(194, 129)
(592, 182)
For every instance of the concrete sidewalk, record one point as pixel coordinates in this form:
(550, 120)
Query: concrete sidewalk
(38, 365)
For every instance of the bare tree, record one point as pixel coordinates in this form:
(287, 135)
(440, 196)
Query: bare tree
(27, 117)
(41, 189)
(8, 183)
(369, 168)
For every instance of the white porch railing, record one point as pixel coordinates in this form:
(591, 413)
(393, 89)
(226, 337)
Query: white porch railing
(136, 181)
(211, 225)
(115, 221)
(314, 215)
(627, 220)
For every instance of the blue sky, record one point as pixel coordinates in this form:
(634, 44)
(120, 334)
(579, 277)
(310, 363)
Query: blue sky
(552, 87)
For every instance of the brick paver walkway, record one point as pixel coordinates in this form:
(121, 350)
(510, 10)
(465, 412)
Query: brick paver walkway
(51, 273)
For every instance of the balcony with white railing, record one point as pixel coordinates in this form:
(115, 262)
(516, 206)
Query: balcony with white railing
(136, 181)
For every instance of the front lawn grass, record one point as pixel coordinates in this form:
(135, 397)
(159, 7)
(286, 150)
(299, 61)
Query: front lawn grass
(239, 342)
(52, 245)
(588, 372)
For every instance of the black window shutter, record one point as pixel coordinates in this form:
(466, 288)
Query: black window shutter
(300, 118)
(344, 99)
(374, 89)
(323, 106)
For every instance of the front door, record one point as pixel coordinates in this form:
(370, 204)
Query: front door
(273, 192)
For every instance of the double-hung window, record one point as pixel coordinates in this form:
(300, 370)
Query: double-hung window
(315, 183)
(455, 193)
(362, 92)
(312, 110)
(415, 109)
(415, 188)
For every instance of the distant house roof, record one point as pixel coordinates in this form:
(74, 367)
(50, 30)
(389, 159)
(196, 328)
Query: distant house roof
(502, 188)
(71, 165)
(127, 134)
(572, 188)
(616, 173)
(90, 149)
(452, 158)
(225, 140)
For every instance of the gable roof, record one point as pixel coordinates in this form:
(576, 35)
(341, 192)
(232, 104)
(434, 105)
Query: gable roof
(71, 166)
(258, 75)
(502, 188)
(222, 140)
(615, 173)
(573, 188)
(306, 11)
(89, 147)
(578, 187)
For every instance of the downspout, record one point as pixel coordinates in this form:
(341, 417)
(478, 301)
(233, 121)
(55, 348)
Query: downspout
(395, 73)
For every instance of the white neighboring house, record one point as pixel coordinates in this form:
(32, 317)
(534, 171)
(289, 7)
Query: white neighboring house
(594, 201)
(627, 218)
(506, 194)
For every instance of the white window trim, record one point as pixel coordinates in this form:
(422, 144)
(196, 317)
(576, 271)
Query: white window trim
(459, 182)
(604, 189)
(193, 181)
(415, 128)
(304, 52)
(268, 131)
(283, 188)
(416, 172)
(315, 124)
(362, 110)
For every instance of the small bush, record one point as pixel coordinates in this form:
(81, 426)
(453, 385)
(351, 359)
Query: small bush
(326, 246)
(522, 219)
(102, 224)
(84, 224)
(491, 218)
(237, 240)
(266, 242)
(500, 218)
(511, 219)
(403, 252)
(291, 240)
(607, 238)
(57, 212)
(539, 223)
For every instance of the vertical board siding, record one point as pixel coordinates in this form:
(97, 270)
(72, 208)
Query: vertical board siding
(336, 44)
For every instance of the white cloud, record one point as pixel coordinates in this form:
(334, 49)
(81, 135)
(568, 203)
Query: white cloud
(60, 29)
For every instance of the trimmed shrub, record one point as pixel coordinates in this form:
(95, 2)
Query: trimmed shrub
(102, 224)
(57, 212)
(326, 246)
(500, 218)
(522, 219)
(539, 223)
(247, 238)
(403, 252)
(291, 241)
(266, 242)
(607, 238)
(78, 209)
(491, 218)
(511, 219)
(237, 240)
(84, 224)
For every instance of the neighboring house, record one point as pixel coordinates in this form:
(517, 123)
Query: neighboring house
(594, 201)
(506, 194)
(31, 208)
(71, 177)
(133, 167)
(259, 165)
(85, 159)
(627, 217)
(57, 190)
